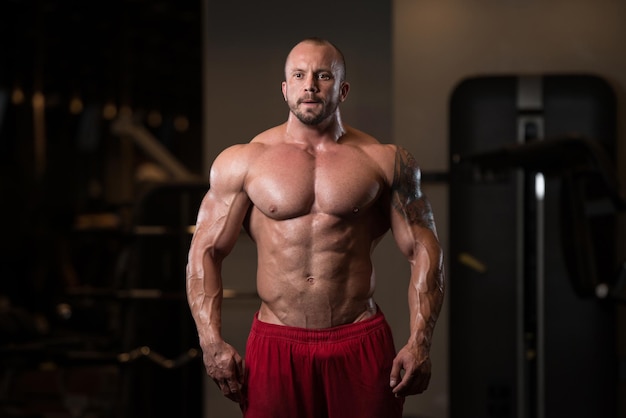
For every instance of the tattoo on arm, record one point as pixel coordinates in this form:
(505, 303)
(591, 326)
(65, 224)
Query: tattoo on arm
(407, 196)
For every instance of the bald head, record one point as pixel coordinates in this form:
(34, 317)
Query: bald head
(338, 58)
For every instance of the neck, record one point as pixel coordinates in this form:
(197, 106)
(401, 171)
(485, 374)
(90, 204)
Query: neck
(330, 129)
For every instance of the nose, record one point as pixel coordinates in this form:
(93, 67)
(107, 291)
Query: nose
(311, 84)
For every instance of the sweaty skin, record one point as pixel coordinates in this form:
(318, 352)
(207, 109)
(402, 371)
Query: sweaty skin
(316, 196)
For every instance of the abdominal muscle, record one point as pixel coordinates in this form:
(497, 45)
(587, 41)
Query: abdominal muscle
(314, 271)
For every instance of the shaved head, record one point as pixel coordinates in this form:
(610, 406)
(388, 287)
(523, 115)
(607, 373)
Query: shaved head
(341, 61)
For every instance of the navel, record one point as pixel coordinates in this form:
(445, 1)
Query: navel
(355, 210)
(310, 279)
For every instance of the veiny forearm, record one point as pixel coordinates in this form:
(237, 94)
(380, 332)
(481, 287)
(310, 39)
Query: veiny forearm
(204, 295)
(426, 293)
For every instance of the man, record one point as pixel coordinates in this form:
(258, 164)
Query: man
(316, 196)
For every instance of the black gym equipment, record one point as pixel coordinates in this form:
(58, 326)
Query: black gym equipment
(535, 273)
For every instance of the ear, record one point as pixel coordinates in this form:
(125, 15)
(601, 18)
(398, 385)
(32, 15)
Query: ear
(283, 88)
(344, 89)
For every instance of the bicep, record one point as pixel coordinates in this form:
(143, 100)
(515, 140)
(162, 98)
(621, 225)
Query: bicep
(413, 227)
(412, 219)
(219, 223)
(222, 210)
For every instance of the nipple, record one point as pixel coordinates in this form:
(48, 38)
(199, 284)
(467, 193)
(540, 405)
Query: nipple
(273, 209)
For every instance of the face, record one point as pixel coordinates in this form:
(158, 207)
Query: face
(313, 86)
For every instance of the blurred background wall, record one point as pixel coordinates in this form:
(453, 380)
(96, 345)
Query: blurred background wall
(436, 45)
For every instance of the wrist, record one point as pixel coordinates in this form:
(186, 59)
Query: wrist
(420, 342)
(209, 335)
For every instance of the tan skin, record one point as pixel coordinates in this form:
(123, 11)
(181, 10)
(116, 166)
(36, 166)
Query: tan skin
(316, 196)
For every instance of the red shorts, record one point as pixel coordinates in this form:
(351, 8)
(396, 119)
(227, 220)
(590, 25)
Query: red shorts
(340, 372)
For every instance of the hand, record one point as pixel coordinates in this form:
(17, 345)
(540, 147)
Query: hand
(225, 366)
(417, 367)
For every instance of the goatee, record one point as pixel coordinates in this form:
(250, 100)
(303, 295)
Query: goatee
(311, 119)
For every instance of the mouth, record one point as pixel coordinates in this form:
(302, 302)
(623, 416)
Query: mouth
(309, 101)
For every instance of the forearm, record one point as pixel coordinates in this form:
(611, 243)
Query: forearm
(425, 299)
(204, 295)
(426, 293)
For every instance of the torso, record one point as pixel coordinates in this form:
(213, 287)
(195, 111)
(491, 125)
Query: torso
(316, 214)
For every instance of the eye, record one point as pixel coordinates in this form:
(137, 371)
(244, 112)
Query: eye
(298, 75)
(324, 76)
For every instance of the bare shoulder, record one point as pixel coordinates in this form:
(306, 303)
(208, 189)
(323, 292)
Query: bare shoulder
(397, 163)
(234, 158)
(230, 168)
(385, 155)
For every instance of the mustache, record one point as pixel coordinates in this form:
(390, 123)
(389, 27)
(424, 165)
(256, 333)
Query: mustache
(310, 98)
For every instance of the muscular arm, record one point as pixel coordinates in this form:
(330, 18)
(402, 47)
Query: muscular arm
(414, 230)
(219, 222)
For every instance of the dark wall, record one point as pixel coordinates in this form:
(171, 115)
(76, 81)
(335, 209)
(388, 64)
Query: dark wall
(245, 54)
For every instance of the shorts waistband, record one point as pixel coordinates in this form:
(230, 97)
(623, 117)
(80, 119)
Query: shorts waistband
(306, 335)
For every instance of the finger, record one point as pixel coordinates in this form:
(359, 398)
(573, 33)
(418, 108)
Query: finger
(226, 389)
(394, 376)
(231, 388)
(223, 385)
(416, 384)
(234, 389)
(233, 385)
(404, 383)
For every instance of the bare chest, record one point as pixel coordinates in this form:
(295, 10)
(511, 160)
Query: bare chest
(288, 182)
